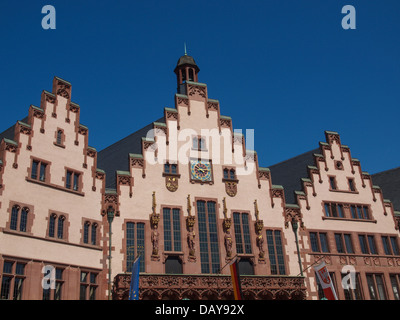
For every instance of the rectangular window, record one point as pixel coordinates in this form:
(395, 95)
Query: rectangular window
(170, 168)
(275, 252)
(371, 243)
(363, 244)
(72, 180)
(38, 170)
(59, 284)
(208, 237)
(135, 245)
(319, 242)
(332, 183)
(199, 143)
(324, 242)
(353, 212)
(376, 287)
(395, 247)
(348, 243)
(42, 176)
(395, 281)
(351, 184)
(88, 286)
(356, 293)
(13, 275)
(386, 245)
(339, 243)
(242, 232)
(314, 242)
(172, 229)
(35, 166)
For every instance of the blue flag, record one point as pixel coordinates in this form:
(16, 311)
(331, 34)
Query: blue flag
(134, 289)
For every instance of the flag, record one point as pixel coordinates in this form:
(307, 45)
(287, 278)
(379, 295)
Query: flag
(134, 288)
(325, 281)
(237, 291)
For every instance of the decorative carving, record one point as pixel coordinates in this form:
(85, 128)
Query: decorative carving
(171, 182)
(259, 226)
(154, 220)
(50, 98)
(137, 163)
(82, 130)
(63, 89)
(171, 115)
(197, 90)
(124, 180)
(190, 222)
(277, 193)
(212, 105)
(38, 113)
(227, 222)
(293, 214)
(263, 175)
(182, 100)
(100, 175)
(231, 188)
(225, 123)
(73, 107)
(214, 287)
(91, 153)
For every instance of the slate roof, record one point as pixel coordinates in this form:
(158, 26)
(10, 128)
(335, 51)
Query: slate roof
(289, 173)
(116, 156)
(389, 182)
(9, 133)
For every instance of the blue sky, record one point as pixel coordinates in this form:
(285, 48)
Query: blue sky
(284, 68)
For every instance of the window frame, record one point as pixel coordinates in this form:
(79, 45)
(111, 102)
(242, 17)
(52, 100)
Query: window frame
(280, 265)
(137, 249)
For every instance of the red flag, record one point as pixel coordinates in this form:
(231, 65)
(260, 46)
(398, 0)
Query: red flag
(235, 280)
(325, 281)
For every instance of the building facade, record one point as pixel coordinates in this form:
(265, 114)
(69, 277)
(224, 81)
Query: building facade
(188, 197)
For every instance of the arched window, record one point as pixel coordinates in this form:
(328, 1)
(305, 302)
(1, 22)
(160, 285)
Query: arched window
(24, 219)
(94, 234)
(183, 72)
(52, 225)
(191, 76)
(14, 217)
(60, 227)
(86, 232)
(232, 174)
(59, 136)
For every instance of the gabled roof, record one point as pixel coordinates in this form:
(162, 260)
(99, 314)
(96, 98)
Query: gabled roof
(289, 173)
(116, 156)
(389, 182)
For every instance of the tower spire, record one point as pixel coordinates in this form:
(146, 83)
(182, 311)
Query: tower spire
(185, 48)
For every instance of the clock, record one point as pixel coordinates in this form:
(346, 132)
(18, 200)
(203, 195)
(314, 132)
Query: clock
(200, 170)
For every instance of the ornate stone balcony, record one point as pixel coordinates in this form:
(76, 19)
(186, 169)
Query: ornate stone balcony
(209, 287)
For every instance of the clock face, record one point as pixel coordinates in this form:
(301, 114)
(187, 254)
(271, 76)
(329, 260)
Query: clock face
(200, 170)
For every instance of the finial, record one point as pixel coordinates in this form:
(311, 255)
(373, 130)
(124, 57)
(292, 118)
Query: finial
(256, 209)
(189, 207)
(225, 210)
(185, 48)
(154, 202)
